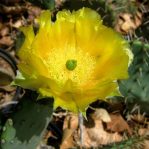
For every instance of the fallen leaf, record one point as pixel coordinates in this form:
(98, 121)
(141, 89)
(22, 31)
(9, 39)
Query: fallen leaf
(17, 24)
(118, 124)
(6, 40)
(6, 78)
(67, 140)
(69, 126)
(143, 131)
(4, 31)
(127, 23)
(138, 118)
(146, 144)
(97, 136)
(101, 114)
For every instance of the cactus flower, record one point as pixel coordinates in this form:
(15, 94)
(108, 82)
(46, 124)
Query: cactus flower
(76, 59)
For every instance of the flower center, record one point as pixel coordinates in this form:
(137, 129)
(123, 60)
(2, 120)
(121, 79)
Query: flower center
(71, 64)
(74, 64)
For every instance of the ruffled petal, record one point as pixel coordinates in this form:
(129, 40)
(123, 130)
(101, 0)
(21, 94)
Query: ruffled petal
(42, 44)
(66, 102)
(33, 65)
(87, 24)
(26, 47)
(112, 62)
(84, 98)
(62, 33)
(45, 20)
(29, 82)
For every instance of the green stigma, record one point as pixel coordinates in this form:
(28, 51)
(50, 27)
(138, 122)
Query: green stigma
(71, 64)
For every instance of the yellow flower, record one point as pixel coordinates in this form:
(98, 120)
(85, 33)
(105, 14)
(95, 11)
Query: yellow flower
(75, 59)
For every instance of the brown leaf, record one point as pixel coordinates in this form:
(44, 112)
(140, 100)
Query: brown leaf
(71, 122)
(127, 22)
(4, 31)
(67, 140)
(118, 124)
(143, 131)
(17, 24)
(6, 40)
(146, 144)
(6, 79)
(139, 118)
(8, 88)
(96, 136)
(101, 114)
(6, 72)
(12, 9)
(69, 126)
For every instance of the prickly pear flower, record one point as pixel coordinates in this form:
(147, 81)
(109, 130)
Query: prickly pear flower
(75, 59)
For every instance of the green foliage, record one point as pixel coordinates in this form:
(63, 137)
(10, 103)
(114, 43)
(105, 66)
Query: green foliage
(143, 30)
(122, 6)
(20, 40)
(26, 127)
(117, 7)
(45, 4)
(136, 142)
(136, 88)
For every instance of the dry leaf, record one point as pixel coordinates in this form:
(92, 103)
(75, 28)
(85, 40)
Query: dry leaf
(143, 131)
(138, 118)
(98, 136)
(146, 144)
(69, 126)
(5, 78)
(6, 40)
(71, 122)
(118, 124)
(101, 114)
(4, 31)
(17, 24)
(67, 140)
(127, 23)
(6, 72)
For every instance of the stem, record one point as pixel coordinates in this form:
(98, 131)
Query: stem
(81, 128)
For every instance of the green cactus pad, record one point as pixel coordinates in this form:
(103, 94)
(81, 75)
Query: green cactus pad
(136, 88)
(25, 129)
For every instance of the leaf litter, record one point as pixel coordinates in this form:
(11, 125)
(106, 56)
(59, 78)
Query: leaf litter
(102, 126)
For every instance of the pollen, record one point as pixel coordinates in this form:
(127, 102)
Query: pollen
(71, 63)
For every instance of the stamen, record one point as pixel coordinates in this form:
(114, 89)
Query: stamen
(67, 64)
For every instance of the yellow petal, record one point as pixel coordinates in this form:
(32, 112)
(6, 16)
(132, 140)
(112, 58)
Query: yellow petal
(45, 92)
(62, 32)
(113, 61)
(45, 20)
(29, 37)
(33, 65)
(66, 102)
(41, 44)
(83, 99)
(29, 82)
(87, 24)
